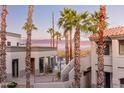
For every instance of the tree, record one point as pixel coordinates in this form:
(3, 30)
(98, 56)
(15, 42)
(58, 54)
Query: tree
(80, 21)
(97, 26)
(94, 23)
(3, 47)
(70, 18)
(101, 25)
(63, 22)
(28, 27)
(58, 37)
(50, 31)
(53, 29)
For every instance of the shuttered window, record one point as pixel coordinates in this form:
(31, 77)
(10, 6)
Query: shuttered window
(121, 47)
(106, 48)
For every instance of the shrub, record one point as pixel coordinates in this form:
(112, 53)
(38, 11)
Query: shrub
(12, 85)
(48, 69)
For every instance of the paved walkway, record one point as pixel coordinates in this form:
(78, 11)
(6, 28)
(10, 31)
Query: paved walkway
(36, 79)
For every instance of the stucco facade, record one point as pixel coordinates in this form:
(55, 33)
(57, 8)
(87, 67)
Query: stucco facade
(15, 57)
(113, 63)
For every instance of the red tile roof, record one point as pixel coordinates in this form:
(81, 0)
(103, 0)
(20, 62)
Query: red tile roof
(116, 31)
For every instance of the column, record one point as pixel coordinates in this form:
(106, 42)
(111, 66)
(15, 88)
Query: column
(115, 54)
(45, 63)
(93, 66)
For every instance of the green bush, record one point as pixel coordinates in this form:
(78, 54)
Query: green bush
(12, 85)
(48, 69)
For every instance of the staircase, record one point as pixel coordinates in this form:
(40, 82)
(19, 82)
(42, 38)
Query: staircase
(66, 70)
(67, 73)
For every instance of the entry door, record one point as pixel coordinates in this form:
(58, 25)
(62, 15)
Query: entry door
(107, 80)
(52, 62)
(15, 67)
(32, 65)
(41, 65)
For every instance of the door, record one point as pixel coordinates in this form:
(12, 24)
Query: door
(52, 62)
(107, 80)
(32, 65)
(15, 68)
(49, 61)
(122, 82)
(41, 65)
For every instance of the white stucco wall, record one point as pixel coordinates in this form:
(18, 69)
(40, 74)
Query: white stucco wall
(13, 40)
(21, 57)
(94, 60)
(114, 63)
(118, 64)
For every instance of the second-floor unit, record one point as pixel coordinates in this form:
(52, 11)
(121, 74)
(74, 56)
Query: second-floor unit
(13, 39)
(113, 57)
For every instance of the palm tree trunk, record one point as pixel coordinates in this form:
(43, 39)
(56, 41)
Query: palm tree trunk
(66, 48)
(53, 40)
(51, 44)
(3, 46)
(53, 29)
(0, 60)
(77, 58)
(28, 47)
(100, 78)
(57, 40)
(71, 45)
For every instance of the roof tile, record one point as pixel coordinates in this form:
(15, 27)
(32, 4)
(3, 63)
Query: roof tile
(116, 31)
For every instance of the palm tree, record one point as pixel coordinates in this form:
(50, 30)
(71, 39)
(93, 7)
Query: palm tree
(50, 31)
(102, 17)
(3, 47)
(69, 18)
(71, 54)
(53, 37)
(63, 22)
(58, 37)
(81, 24)
(98, 25)
(28, 27)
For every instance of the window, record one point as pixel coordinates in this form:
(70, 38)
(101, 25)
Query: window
(15, 68)
(17, 43)
(8, 43)
(122, 82)
(121, 47)
(106, 48)
(49, 61)
(41, 65)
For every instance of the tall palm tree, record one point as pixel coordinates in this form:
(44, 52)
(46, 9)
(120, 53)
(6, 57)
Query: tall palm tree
(0, 60)
(3, 47)
(63, 22)
(81, 24)
(94, 27)
(53, 37)
(69, 18)
(102, 17)
(71, 48)
(28, 27)
(58, 37)
(50, 31)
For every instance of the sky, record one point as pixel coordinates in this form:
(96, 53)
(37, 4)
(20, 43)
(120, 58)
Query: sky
(42, 17)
